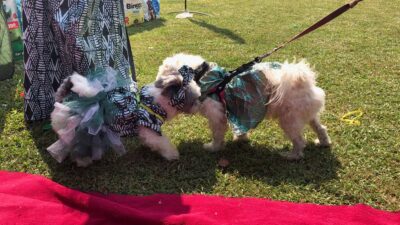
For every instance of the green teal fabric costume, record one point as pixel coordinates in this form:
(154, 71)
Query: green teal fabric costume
(244, 96)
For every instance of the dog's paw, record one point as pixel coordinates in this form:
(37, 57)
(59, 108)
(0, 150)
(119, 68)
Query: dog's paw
(241, 138)
(212, 147)
(170, 155)
(83, 162)
(323, 144)
(292, 156)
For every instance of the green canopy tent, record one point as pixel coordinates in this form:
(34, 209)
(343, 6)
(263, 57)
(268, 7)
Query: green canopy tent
(6, 58)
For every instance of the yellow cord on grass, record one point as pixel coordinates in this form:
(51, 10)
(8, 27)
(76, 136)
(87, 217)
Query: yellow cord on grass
(352, 118)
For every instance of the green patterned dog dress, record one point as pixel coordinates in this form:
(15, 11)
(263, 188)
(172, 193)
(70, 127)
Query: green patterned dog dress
(245, 97)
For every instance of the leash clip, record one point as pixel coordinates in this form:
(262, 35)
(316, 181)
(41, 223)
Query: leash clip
(354, 3)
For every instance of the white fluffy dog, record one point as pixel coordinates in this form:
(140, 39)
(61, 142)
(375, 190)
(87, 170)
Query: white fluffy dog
(294, 100)
(81, 101)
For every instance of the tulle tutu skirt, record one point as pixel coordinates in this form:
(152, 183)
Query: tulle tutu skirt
(93, 117)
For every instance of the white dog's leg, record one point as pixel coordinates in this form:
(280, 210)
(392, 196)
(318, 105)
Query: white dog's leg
(242, 137)
(321, 131)
(294, 129)
(214, 111)
(158, 143)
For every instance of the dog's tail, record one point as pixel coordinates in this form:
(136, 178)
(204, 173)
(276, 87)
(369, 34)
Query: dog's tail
(63, 90)
(296, 75)
(78, 84)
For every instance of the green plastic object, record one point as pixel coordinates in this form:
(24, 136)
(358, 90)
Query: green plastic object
(6, 53)
(14, 28)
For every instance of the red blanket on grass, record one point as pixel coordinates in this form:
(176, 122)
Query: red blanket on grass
(31, 199)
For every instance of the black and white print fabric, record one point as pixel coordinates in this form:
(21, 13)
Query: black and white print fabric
(178, 99)
(124, 115)
(151, 115)
(63, 36)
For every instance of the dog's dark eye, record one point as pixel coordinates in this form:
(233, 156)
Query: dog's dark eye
(171, 90)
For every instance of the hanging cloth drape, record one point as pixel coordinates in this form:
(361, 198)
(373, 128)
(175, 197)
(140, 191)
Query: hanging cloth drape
(63, 36)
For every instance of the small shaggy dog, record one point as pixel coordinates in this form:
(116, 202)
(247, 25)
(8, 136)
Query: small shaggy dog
(92, 113)
(286, 92)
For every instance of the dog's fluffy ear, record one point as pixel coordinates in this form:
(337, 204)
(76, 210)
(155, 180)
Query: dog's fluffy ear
(201, 70)
(169, 84)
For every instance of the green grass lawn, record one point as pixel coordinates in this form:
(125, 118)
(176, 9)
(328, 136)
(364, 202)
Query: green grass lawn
(357, 57)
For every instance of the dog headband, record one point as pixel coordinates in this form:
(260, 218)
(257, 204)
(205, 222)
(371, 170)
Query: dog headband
(178, 99)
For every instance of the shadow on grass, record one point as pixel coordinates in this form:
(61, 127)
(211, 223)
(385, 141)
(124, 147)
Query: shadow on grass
(8, 89)
(319, 164)
(142, 172)
(146, 26)
(223, 31)
(139, 171)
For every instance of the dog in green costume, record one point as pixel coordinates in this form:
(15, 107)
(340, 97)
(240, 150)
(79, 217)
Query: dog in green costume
(283, 91)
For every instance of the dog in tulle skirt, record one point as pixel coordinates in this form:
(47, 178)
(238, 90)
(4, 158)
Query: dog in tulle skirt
(93, 112)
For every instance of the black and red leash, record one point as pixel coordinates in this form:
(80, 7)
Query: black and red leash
(246, 66)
